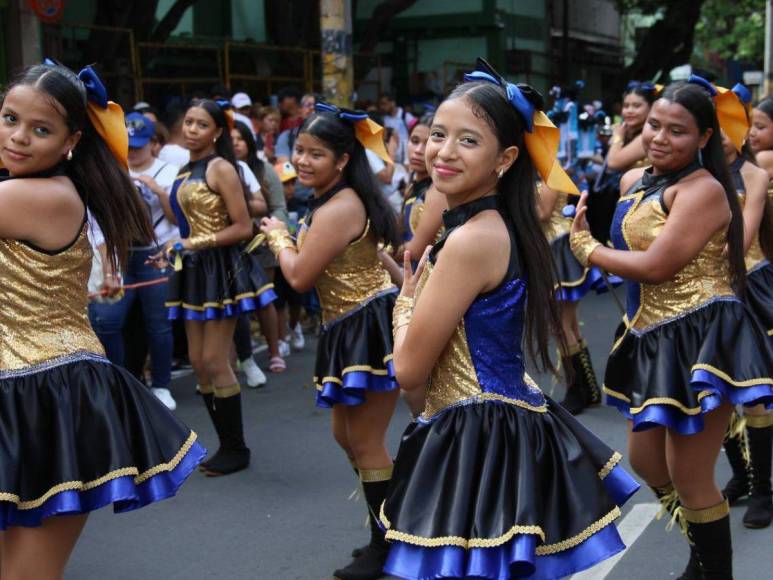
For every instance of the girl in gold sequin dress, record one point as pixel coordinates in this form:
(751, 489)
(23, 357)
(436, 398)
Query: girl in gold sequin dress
(76, 432)
(337, 254)
(688, 348)
(215, 280)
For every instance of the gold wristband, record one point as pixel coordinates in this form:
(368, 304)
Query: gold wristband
(402, 313)
(278, 240)
(615, 140)
(583, 244)
(202, 241)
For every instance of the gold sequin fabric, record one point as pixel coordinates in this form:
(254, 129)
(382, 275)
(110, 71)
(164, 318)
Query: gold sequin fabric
(352, 278)
(705, 278)
(204, 209)
(559, 225)
(44, 303)
(754, 255)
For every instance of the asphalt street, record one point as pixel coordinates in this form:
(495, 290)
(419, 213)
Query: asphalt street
(291, 516)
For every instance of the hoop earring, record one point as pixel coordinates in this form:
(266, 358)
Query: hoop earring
(69, 155)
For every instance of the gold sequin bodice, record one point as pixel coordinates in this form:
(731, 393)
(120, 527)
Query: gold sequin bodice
(44, 303)
(559, 224)
(754, 255)
(706, 277)
(352, 278)
(204, 209)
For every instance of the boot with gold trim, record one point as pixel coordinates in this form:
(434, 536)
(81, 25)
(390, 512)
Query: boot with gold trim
(709, 531)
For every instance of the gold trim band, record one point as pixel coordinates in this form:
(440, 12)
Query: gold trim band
(707, 515)
(225, 391)
(374, 475)
(610, 465)
(205, 389)
(84, 486)
(279, 240)
(758, 421)
(583, 245)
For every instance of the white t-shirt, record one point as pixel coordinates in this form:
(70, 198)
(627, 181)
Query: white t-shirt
(390, 191)
(174, 154)
(164, 174)
(249, 177)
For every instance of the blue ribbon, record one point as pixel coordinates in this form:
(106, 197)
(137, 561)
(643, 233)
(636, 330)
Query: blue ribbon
(514, 95)
(643, 86)
(95, 90)
(700, 81)
(224, 104)
(743, 93)
(345, 114)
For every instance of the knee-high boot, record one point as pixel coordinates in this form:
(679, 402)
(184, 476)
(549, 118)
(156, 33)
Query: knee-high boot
(670, 501)
(709, 530)
(760, 511)
(233, 454)
(738, 486)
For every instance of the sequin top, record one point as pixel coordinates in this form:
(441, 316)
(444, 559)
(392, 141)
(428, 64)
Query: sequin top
(199, 209)
(754, 256)
(44, 303)
(639, 219)
(353, 277)
(483, 360)
(559, 225)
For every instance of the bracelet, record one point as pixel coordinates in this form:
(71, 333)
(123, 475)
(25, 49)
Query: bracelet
(402, 313)
(615, 140)
(202, 241)
(279, 240)
(583, 244)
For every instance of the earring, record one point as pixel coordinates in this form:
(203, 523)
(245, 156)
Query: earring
(69, 155)
(501, 173)
(339, 169)
(214, 140)
(700, 157)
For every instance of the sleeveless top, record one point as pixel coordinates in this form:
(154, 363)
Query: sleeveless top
(354, 277)
(754, 256)
(44, 303)
(559, 225)
(639, 218)
(413, 207)
(484, 360)
(198, 209)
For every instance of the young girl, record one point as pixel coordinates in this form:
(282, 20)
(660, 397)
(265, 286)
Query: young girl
(687, 349)
(216, 280)
(423, 205)
(625, 147)
(337, 252)
(79, 433)
(494, 479)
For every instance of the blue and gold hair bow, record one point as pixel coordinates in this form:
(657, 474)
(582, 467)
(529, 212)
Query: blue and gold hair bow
(369, 133)
(541, 136)
(731, 113)
(642, 86)
(227, 108)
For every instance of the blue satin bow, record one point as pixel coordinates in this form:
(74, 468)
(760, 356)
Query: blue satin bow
(743, 93)
(514, 95)
(95, 90)
(346, 114)
(700, 81)
(644, 86)
(224, 104)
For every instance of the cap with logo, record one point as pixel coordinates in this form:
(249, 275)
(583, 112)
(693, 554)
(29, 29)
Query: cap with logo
(286, 171)
(140, 129)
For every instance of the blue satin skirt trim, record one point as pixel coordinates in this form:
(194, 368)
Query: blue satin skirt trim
(122, 492)
(241, 306)
(516, 558)
(593, 281)
(673, 418)
(355, 384)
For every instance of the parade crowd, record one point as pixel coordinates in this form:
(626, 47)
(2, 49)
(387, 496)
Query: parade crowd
(433, 250)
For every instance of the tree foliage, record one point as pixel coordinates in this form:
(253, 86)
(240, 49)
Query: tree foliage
(733, 29)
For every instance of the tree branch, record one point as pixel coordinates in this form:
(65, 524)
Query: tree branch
(379, 20)
(170, 20)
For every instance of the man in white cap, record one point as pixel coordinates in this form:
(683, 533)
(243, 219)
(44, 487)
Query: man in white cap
(242, 104)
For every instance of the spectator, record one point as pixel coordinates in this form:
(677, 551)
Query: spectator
(289, 107)
(160, 138)
(396, 118)
(146, 109)
(174, 151)
(242, 105)
(267, 132)
(286, 141)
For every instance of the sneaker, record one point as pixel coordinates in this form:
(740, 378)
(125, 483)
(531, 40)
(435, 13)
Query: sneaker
(284, 348)
(253, 374)
(165, 396)
(297, 340)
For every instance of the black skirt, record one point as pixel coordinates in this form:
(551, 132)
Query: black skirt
(492, 490)
(574, 280)
(79, 433)
(759, 295)
(354, 354)
(674, 373)
(217, 283)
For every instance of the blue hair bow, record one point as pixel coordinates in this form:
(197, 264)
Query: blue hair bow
(644, 86)
(224, 104)
(95, 90)
(743, 93)
(345, 114)
(514, 95)
(700, 81)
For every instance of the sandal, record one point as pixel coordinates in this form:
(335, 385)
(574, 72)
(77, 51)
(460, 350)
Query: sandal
(277, 364)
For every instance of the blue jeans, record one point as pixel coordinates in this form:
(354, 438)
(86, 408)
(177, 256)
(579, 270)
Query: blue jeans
(108, 319)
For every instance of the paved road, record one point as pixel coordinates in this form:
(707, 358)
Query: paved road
(289, 517)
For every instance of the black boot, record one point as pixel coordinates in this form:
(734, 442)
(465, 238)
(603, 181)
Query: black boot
(587, 376)
(576, 398)
(709, 530)
(233, 454)
(760, 511)
(369, 565)
(738, 486)
(670, 502)
(207, 395)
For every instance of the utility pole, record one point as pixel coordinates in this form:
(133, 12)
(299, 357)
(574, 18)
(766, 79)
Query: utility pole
(337, 64)
(767, 87)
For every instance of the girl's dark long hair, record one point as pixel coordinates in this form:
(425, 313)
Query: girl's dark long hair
(517, 192)
(255, 163)
(766, 225)
(338, 135)
(101, 182)
(223, 145)
(700, 105)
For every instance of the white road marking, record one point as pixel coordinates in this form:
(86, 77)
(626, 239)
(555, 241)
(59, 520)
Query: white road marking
(630, 528)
